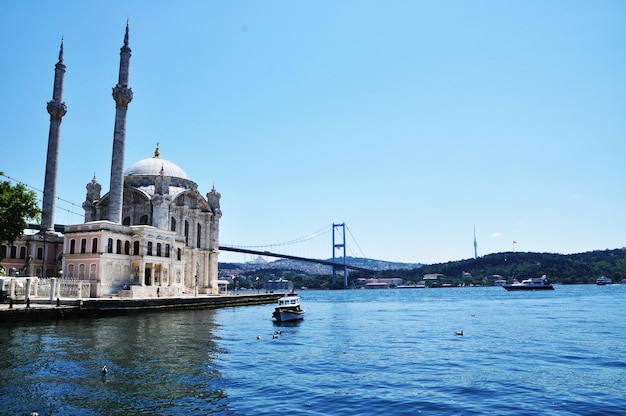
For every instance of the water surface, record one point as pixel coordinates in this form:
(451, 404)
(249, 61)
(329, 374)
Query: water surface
(357, 352)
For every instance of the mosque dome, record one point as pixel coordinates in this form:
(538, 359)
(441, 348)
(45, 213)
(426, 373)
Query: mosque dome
(152, 167)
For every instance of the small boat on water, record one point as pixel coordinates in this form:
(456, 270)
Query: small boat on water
(535, 283)
(288, 309)
(603, 280)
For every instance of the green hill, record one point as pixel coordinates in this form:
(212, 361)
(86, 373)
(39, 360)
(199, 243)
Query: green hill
(560, 268)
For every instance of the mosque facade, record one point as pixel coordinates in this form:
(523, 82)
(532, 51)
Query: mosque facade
(152, 234)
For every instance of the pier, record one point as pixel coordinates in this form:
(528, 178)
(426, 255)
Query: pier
(43, 309)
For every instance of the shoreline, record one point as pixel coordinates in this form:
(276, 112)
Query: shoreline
(41, 309)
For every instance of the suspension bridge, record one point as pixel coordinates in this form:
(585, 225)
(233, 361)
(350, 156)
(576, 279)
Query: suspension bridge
(339, 264)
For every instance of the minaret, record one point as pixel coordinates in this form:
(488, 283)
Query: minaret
(57, 109)
(475, 245)
(122, 96)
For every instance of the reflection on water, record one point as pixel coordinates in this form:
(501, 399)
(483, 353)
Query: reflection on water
(366, 352)
(157, 364)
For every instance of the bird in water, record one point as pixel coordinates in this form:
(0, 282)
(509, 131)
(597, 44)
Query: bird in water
(459, 333)
(258, 336)
(104, 370)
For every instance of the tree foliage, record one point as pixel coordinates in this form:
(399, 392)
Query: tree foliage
(17, 206)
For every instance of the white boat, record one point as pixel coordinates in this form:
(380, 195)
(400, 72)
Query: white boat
(535, 283)
(603, 280)
(288, 309)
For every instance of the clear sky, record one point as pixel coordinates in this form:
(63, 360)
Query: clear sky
(411, 121)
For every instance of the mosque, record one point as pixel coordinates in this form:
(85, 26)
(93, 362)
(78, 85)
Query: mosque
(152, 234)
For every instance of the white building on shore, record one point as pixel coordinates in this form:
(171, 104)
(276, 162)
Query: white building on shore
(152, 234)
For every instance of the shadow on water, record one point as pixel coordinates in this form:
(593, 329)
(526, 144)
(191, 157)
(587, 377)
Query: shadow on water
(157, 364)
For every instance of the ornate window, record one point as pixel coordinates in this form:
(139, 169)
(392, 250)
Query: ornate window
(173, 224)
(119, 247)
(94, 245)
(149, 248)
(127, 247)
(83, 245)
(72, 246)
(158, 250)
(136, 248)
(110, 246)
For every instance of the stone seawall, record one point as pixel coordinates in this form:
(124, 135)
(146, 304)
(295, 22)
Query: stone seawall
(103, 307)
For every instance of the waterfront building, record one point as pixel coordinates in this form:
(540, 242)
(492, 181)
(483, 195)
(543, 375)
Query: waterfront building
(152, 234)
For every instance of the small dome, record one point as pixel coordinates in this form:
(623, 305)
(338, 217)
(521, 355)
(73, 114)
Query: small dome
(153, 166)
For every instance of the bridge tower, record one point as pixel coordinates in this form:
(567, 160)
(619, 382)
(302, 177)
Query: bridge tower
(339, 230)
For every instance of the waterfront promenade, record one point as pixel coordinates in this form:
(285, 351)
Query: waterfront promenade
(66, 308)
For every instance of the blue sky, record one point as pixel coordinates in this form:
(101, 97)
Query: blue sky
(411, 121)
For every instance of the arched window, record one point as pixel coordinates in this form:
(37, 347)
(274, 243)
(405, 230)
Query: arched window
(81, 271)
(127, 247)
(83, 245)
(13, 252)
(22, 252)
(119, 247)
(159, 249)
(149, 248)
(72, 246)
(173, 224)
(94, 245)
(143, 220)
(3, 252)
(126, 221)
(186, 233)
(178, 254)
(39, 253)
(199, 236)
(110, 246)
(136, 248)
(70, 270)
(167, 250)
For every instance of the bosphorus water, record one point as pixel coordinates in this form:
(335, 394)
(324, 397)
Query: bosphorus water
(358, 352)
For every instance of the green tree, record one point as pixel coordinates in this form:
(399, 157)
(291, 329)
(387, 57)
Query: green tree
(17, 206)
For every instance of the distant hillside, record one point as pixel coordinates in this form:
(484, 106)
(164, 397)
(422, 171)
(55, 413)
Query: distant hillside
(560, 268)
(314, 268)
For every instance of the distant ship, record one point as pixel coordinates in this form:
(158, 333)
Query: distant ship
(535, 283)
(603, 280)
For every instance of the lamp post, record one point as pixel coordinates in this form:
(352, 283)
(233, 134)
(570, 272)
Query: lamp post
(258, 290)
(196, 287)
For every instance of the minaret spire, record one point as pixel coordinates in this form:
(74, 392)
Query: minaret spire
(122, 95)
(57, 109)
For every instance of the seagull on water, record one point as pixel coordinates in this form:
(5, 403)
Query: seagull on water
(104, 370)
